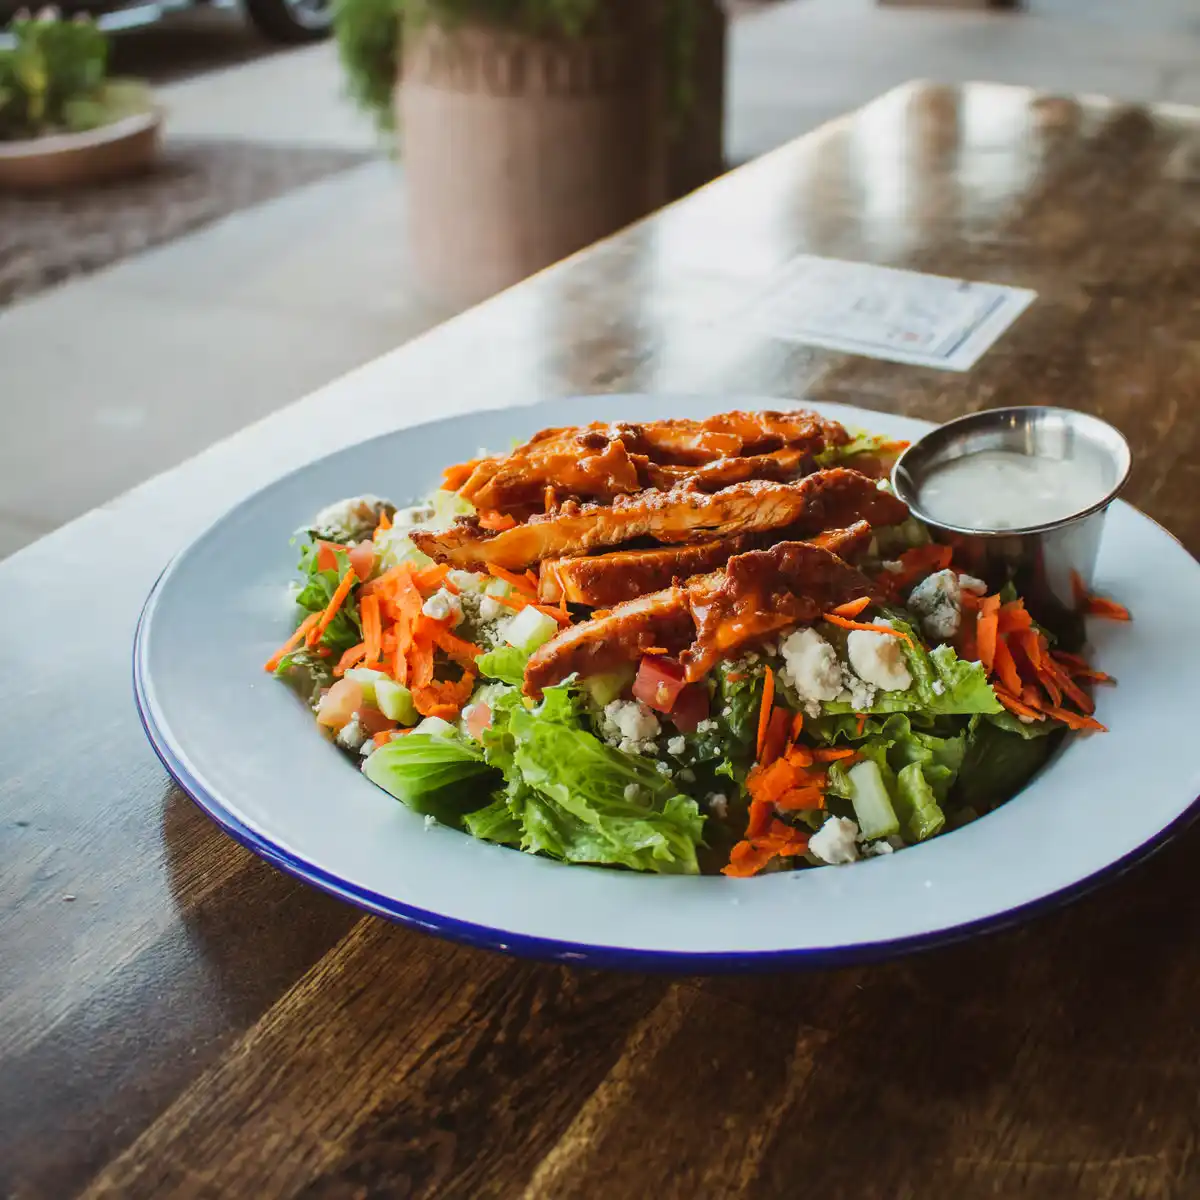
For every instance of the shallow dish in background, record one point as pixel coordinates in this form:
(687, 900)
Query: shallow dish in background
(244, 748)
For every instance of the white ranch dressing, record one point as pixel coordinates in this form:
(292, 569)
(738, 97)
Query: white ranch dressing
(1004, 489)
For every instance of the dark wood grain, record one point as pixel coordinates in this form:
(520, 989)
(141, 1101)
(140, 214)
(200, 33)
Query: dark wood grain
(177, 1019)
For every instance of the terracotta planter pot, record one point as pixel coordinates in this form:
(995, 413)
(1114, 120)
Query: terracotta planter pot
(518, 150)
(70, 159)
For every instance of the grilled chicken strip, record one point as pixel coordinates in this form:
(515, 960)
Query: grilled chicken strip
(825, 500)
(602, 580)
(714, 615)
(601, 461)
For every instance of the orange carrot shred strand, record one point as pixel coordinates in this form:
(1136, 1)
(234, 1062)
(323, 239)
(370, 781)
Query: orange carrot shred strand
(385, 523)
(1017, 706)
(852, 608)
(797, 725)
(1101, 606)
(862, 724)
(461, 651)
(1006, 668)
(833, 753)
(352, 656)
(987, 631)
(655, 650)
(431, 577)
(842, 623)
(803, 797)
(519, 582)
(372, 629)
(297, 637)
(764, 711)
(777, 735)
(335, 602)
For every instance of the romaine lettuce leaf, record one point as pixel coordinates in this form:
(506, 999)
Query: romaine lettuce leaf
(495, 823)
(942, 682)
(506, 663)
(583, 801)
(999, 762)
(443, 777)
(345, 630)
(918, 768)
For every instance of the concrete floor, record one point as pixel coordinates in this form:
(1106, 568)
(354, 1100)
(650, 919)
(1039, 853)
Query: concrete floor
(108, 380)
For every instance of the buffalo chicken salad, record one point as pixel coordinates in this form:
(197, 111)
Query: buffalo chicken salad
(678, 647)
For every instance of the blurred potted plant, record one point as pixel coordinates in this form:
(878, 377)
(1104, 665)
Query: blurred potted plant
(531, 128)
(62, 120)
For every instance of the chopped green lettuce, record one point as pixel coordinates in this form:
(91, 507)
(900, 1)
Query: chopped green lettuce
(942, 682)
(577, 799)
(443, 777)
(506, 663)
(999, 761)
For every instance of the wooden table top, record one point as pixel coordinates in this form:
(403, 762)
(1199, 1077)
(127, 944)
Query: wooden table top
(179, 1019)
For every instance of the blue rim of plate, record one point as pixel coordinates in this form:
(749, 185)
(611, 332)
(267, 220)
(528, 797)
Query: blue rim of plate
(609, 957)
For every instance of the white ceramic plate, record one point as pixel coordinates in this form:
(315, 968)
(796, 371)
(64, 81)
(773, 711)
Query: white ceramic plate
(247, 751)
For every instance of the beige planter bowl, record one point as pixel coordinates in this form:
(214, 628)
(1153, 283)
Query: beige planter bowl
(518, 151)
(67, 160)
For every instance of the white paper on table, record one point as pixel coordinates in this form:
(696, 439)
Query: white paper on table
(883, 312)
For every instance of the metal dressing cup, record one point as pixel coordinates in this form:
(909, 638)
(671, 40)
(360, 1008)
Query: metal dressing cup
(1050, 564)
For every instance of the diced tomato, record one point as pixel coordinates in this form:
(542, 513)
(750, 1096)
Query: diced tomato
(373, 721)
(362, 559)
(327, 555)
(479, 720)
(340, 703)
(691, 707)
(659, 682)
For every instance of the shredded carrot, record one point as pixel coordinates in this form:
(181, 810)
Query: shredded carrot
(1018, 706)
(750, 856)
(1006, 668)
(372, 630)
(764, 711)
(351, 658)
(520, 583)
(385, 523)
(777, 735)
(331, 610)
(454, 477)
(497, 522)
(655, 650)
(1101, 606)
(918, 562)
(833, 753)
(297, 637)
(462, 652)
(987, 631)
(1013, 617)
(735, 676)
(842, 623)
(797, 725)
(431, 577)
(760, 818)
(1076, 720)
(862, 724)
(852, 608)
(802, 797)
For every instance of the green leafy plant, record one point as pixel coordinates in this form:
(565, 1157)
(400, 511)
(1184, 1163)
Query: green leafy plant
(369, 33)
(53, 78)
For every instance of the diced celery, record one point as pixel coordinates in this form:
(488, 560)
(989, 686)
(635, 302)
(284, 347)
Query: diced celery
(395, 701)
(436, 727)
(872, 804)
(529, 629)
(606, 688)
(367, 680)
